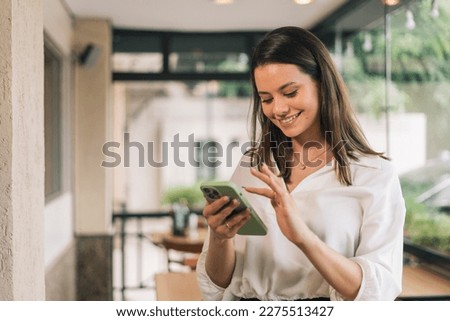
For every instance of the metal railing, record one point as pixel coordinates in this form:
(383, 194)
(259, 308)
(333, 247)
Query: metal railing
(122, 219)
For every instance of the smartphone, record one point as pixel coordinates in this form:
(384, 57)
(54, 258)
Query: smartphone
(215, 190)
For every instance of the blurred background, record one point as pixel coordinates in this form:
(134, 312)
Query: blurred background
(144, 100)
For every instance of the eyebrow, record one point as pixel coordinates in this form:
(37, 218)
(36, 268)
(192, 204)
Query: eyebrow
(279, 89)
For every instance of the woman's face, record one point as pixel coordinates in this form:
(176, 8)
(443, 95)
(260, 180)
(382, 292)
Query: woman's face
(289, 98)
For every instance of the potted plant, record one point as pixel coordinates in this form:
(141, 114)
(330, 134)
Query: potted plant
(183, 200)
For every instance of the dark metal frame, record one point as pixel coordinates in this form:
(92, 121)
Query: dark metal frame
(325, 30)
(123, 218)
(427, 254)
(164, 39)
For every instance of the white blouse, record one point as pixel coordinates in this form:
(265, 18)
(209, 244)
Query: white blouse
(363, 222)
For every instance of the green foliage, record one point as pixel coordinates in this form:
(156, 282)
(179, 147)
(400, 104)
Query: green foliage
(412, 189)
(426, 227)
(423, 52)
(234, 89)
(368, 95)
(191, 195)
(418, 55)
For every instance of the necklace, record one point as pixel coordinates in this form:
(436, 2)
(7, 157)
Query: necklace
(309, 162)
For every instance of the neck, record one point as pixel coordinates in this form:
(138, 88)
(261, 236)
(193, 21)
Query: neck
(304, 146)
(308, 153)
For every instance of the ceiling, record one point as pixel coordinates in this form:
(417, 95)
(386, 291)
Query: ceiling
(204, 15)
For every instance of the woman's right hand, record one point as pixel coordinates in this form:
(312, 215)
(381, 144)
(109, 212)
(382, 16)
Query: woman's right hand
(216, 214)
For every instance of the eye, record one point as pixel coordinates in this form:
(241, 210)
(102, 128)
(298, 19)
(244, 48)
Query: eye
(291, 94)
(266, 101)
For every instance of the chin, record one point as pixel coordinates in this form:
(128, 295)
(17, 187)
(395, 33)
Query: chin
(291, 133)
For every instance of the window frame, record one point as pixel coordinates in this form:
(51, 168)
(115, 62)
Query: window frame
(61, 101)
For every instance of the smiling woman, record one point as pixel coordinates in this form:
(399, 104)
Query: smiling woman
(289, 99)
(293, 72)
(334, 232)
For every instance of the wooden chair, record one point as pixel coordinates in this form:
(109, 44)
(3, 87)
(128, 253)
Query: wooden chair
(177, 287)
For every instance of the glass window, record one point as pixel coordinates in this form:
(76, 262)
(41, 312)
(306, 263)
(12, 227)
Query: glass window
(407, 112)
(52, 114)
(136, 51)
(208, 53)
(151, 62)
(207, 160)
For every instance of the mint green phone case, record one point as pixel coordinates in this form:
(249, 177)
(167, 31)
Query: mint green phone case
(215, 190)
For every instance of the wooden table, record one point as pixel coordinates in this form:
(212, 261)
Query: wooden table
(189, 244)
(421, 281)
(173, 286)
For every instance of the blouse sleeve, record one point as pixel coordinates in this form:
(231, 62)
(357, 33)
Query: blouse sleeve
(380, 249)
(209, 290)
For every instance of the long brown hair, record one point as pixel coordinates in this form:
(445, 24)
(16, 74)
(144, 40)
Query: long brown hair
(297, 46)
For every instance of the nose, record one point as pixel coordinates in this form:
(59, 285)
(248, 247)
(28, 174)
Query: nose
(280, 108)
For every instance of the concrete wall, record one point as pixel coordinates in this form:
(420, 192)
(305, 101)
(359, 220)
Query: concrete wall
(58, 25)
(93, 128)
(21, 151)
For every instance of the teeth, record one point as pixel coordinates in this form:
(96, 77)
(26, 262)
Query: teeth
(289, 119)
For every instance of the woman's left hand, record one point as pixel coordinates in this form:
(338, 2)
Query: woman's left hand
(287, 212)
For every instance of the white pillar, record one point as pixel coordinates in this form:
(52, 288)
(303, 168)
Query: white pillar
(21, 151)
(93, 128)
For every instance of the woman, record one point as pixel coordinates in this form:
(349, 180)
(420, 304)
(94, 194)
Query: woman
(333, 206)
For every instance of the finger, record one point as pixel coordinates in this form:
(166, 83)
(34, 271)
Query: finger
(269, 178)
(260, 175)
(215, 206)
(231, 227)
(235, 219)
(280, 186)
(267, 192)
(217, 219)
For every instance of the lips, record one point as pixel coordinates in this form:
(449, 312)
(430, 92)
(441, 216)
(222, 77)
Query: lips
(290, 119)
